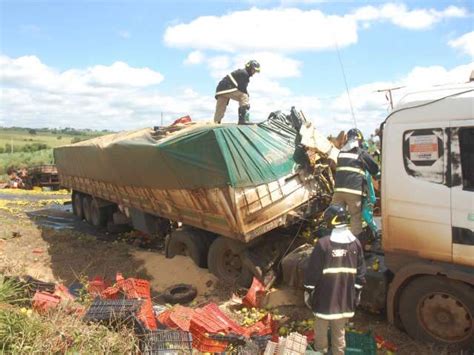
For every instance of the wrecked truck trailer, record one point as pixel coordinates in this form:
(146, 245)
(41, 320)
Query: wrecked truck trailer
(229, 185)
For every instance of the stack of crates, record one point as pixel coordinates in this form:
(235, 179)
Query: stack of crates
(293, 344)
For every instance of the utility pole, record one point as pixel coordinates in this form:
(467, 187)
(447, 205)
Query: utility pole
(161, 118)
(11, 145)
(389, 92)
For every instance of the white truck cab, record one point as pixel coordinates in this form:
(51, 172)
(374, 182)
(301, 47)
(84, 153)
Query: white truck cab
(428, 213)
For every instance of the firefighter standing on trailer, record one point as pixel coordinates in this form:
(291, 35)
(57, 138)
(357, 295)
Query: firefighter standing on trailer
(234, 86)
(352, 162)
(333, 280)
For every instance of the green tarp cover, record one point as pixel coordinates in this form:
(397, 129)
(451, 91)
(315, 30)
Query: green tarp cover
(198, 156)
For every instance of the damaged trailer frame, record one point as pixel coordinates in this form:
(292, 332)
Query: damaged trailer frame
(229, 186)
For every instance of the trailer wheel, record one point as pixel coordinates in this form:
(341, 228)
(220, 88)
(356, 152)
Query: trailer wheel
(225, 261)
(77, 205)
(180, 293)
(438, 310)
(189, 243)
(86, 207)
(99, 215)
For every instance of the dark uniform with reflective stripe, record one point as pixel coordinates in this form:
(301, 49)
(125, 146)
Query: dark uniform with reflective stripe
(237, 80)
(350, 171)
(335, 270)
(336, 274)
(233, 87)
(350, 180)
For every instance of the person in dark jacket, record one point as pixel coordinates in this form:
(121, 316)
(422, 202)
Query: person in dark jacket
(333, 280)
(352, 162)
(234, 86)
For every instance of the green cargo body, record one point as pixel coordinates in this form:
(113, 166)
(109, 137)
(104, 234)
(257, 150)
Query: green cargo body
(237, 181)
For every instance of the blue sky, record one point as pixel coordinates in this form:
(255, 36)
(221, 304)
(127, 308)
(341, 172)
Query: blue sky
(120, 64)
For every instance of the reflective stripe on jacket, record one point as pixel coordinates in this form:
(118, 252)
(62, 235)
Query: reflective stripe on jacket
(350, 170)
(336, 268)
(237, 80)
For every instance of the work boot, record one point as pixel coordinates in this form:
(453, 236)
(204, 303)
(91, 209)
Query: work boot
(244, 114)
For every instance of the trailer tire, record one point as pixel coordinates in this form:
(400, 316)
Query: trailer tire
(99, 215)
(86, 207)
(225, 261)
(438, 310)
(189, 243)
(180, 293)
(77, 205)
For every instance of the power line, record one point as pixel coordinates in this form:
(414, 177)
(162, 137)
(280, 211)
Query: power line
(345, 83)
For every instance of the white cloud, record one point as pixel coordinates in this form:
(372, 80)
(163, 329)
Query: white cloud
(264, 30)
(401, 16)
(219, 66)
(120, 74)
(371, 107)
(290, 29)
(437, 75)
(465, 43)
(195, 57)
(30, 71)
(35, 95)
(273, 65)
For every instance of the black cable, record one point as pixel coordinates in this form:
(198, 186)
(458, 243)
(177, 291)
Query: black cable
(424, 104)
(382, 125)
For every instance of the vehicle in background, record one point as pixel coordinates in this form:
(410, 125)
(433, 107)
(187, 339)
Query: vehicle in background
(44, 176)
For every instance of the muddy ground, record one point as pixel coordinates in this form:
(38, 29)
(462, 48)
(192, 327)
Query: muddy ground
(40, 237)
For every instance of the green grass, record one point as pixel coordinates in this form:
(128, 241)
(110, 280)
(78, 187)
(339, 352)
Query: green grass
(20, 137)
(58, 331)
(11, 291)
(25, 160)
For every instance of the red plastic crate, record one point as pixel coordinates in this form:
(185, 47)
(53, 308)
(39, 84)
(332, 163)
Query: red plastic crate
(165, 319)
(43, 301)
(135, 288)
(181, 316)
(255, 294)
(203, 343)
(110, 293)
(264, 326)
(96, 286)
(213, 311)
(146, 315)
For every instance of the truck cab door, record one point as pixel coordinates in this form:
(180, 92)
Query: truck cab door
(415, 193)
(462, 191)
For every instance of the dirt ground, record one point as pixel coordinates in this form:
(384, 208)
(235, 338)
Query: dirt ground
(40, 237)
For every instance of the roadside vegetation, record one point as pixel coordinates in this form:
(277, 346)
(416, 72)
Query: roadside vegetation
(26, 147)
(24, 331)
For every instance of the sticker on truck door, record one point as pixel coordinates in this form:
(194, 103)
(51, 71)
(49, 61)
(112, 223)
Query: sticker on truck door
(423, 148)
(423, 154)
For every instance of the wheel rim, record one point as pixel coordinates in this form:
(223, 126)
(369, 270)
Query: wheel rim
(445, 317)
(182, 249)
(231, 264)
